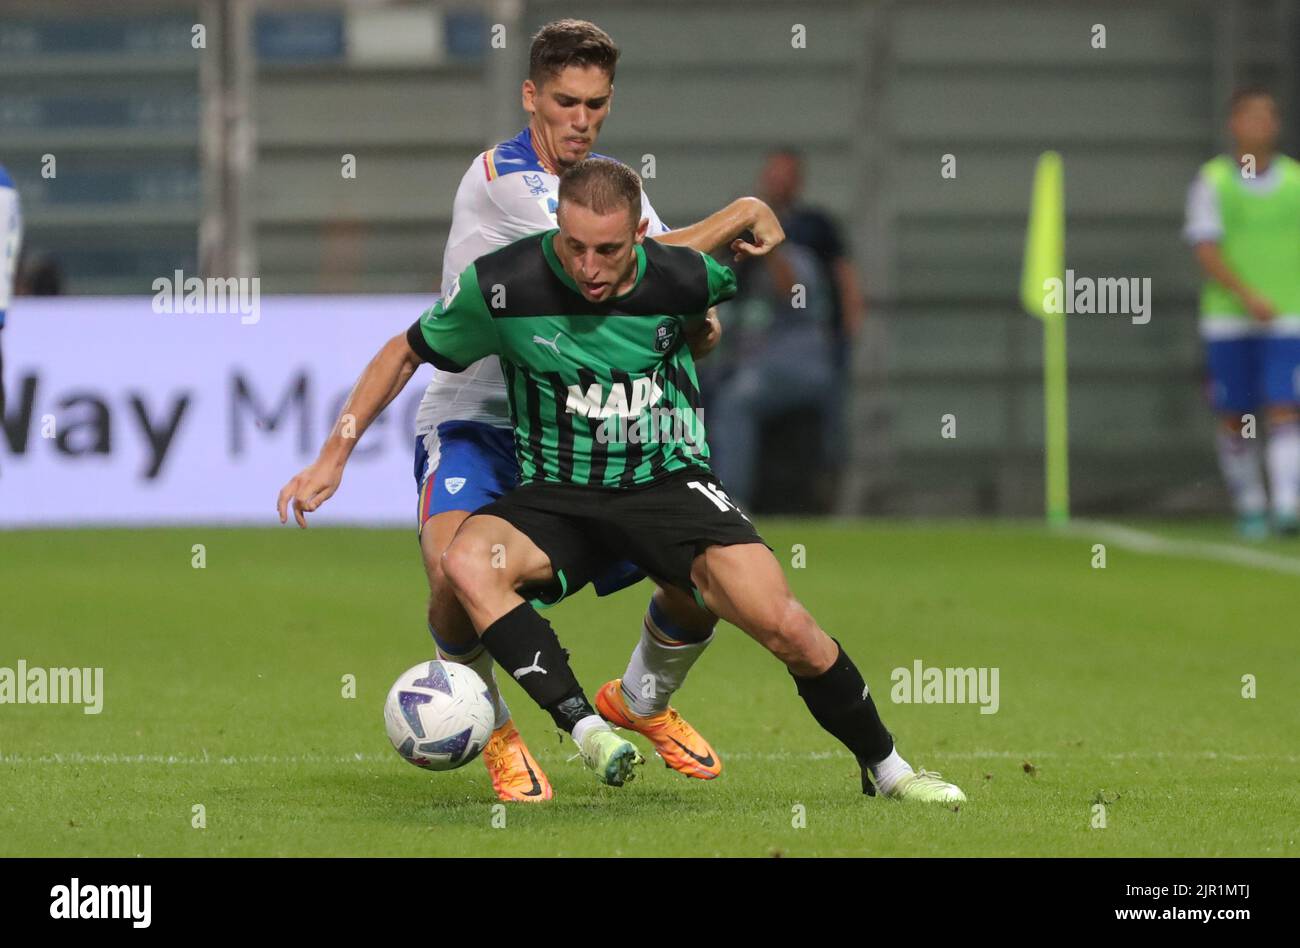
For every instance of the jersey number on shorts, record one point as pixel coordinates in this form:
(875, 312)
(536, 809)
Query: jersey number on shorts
(716, 497)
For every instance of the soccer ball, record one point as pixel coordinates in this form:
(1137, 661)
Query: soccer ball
(439, 715)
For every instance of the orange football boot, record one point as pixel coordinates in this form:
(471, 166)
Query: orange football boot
(516, 775)
(680, 745)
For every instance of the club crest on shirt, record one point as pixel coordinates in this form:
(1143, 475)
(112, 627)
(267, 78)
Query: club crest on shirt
(535, 184)
(454, 484)
(665, 335)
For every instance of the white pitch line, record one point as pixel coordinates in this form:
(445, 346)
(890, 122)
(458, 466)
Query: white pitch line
(1141, 541)
(185, 759)
(274, 760)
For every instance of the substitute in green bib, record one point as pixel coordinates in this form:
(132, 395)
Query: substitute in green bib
(1243, 221)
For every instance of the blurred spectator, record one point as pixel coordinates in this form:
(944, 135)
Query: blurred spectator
(780, 184)
(11, 238)
(39, 275)
(785, 349)
(776, 358)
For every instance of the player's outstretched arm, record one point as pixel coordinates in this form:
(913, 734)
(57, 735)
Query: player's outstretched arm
(726, 227)
(382, 380)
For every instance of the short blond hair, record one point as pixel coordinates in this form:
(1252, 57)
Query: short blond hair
(603, 186)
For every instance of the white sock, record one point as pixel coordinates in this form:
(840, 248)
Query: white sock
(1283, 457)
(658, 665)
(889, 771)
(592, 722)
(478, 659)
(1239, 462)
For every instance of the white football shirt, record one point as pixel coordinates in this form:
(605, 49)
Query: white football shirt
(11, 238)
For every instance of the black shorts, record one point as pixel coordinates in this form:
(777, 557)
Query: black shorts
(661, 527)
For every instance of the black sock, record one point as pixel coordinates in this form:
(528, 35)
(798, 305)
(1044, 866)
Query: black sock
(522, 641)
(838, 699)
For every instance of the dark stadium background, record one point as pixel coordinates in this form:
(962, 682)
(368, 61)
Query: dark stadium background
(226, 161)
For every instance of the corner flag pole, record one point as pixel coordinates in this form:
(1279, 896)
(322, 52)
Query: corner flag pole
(1045, 260)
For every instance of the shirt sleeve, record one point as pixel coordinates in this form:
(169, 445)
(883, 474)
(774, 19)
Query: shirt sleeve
(458, 329)
(722, 281)
(657, 226)
(1204, 222)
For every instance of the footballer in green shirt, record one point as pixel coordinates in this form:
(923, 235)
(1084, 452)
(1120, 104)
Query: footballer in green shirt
(589, 322)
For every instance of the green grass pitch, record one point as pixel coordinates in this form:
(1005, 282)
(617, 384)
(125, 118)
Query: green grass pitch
(223, 688)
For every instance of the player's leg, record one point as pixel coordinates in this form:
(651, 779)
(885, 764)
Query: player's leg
(1233, 366)
(687, 532)
(674, 633)
(1283, 457)
(1239, 461)
(744, 584)
(488, 562)
(1281, 392)
(452, 632)
(470, 469)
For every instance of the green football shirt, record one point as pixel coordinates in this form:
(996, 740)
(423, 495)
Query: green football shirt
(601, 394)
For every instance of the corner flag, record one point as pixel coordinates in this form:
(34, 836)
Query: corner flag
(1045, 260)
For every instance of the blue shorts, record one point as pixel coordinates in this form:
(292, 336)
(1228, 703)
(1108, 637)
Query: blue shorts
(1248, 373)
(476, 465)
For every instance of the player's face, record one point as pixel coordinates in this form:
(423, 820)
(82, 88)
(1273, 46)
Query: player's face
(1254, 124)
(598, 250)
(567, 112)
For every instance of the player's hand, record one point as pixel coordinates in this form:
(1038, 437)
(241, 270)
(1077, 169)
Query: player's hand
(308, 489)
(704, 338)
(1260, 308)
(767, 231)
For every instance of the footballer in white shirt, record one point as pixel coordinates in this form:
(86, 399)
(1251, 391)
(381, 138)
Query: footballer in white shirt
(464, 447)
(11, 239)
